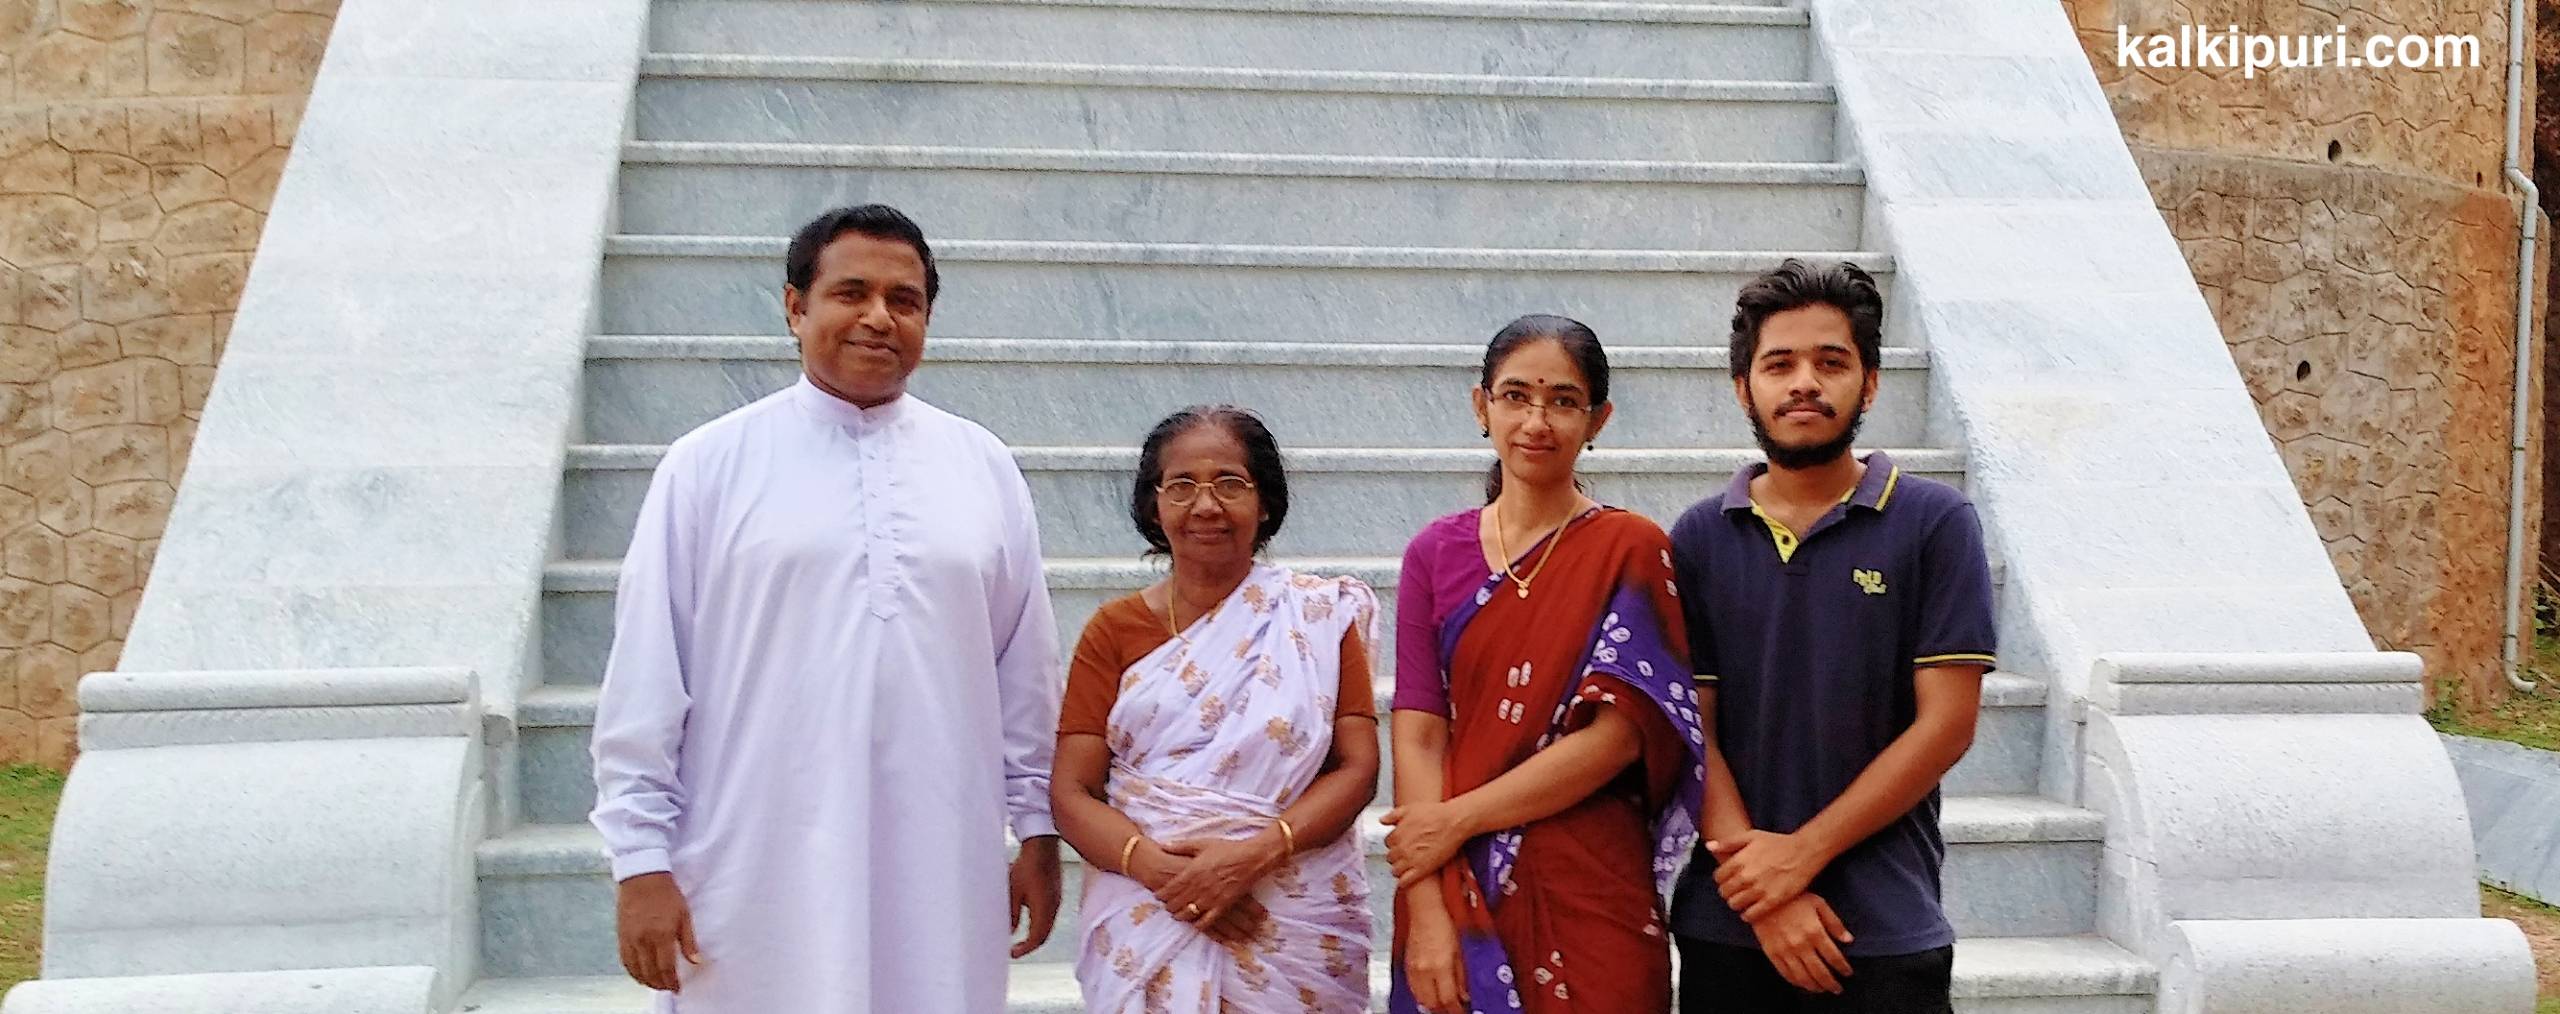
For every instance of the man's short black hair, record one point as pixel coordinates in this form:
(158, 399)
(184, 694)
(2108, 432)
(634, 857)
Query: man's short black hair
(878, 221)
(1795, 284)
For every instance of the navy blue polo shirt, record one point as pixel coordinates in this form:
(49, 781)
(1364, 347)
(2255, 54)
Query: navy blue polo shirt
(1809, 641)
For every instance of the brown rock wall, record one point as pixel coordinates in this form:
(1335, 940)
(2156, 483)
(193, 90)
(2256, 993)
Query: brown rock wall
(140, 143)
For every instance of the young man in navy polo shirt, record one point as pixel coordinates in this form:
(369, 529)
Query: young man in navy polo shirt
(1839, 614)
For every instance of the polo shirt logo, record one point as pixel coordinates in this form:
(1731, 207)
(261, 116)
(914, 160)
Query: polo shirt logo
(1872, 581)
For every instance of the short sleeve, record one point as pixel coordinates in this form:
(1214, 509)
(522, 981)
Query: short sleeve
(1093, 680)
(1689, 576)
(1419, 685)
(1357, 698)
(1956, 626)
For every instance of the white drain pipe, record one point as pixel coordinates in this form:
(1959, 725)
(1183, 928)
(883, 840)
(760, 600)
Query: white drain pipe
(2511, 656)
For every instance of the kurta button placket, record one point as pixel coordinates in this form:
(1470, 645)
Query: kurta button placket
(882, 534)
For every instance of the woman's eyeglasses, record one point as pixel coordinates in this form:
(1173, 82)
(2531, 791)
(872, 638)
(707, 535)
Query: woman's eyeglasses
(1227, 488)
(1561, 408)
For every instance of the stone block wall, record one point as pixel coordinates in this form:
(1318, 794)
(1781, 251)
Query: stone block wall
(140, 141)
(2351, 229)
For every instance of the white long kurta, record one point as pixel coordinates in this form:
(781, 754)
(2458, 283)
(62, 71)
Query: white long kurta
(833, 680)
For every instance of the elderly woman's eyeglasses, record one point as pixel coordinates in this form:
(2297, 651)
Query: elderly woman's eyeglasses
(1227, 488)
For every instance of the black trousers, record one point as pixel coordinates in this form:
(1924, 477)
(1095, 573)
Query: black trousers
(1717, 979)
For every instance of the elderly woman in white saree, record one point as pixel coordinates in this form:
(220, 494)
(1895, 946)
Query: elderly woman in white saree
(1216, 747)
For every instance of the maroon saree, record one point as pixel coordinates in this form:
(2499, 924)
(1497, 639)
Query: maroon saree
(1564, 915)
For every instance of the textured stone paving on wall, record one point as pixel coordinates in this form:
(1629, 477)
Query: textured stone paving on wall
(2351, 230)
(140, 141)
(2368, 312)
(2445, 124)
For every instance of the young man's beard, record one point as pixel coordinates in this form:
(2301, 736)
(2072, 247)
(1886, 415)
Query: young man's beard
(1794, 458)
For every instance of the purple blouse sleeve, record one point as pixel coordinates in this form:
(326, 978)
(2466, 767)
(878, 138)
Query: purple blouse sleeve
(1419, 686)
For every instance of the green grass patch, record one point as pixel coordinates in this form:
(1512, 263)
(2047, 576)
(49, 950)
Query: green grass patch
(28, 796)
(2494, 894)
(2529, 719)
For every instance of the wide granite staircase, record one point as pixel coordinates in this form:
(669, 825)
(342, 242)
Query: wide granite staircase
(1318, 209)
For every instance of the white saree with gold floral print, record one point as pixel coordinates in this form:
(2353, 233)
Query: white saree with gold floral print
(1213, 735)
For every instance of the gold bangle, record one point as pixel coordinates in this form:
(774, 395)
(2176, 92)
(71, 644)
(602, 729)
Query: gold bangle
(1287, 834)
(1126, 850)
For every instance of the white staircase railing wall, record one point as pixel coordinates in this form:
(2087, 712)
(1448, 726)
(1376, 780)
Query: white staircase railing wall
(281, 815)
(2284, 832)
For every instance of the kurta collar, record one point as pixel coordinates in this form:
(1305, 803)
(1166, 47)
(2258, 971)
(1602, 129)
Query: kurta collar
(828, 408)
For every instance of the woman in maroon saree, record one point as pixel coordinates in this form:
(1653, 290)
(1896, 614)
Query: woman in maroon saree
(1549, 758)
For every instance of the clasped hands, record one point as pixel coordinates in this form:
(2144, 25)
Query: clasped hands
(1209, 882)
(1763, 876)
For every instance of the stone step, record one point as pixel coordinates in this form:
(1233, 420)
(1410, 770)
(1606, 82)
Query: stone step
(649, 390)
(577, 601)
(967, 103)
(1993, 975)
(1650, 40)
(555, 723)
(1181, 197)
(2007, 756)
(732, 285)
(578, 631)
(2018, 866)
(1342, 500)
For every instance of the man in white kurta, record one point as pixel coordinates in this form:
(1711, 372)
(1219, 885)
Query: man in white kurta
(832, 684)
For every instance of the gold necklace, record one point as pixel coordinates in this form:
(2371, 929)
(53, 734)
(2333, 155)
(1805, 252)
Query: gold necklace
(1173, 601)
(1504, 544)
